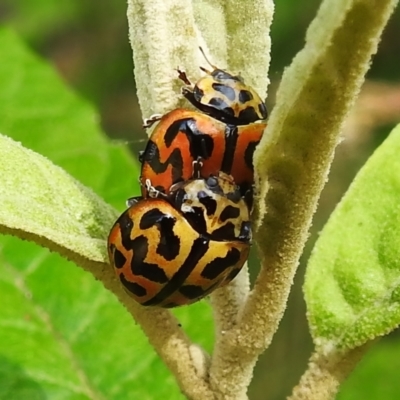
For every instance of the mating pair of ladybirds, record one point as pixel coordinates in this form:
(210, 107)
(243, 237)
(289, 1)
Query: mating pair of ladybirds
(189, 233)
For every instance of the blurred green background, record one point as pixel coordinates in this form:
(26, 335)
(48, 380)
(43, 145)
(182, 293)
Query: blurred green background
(87, 43)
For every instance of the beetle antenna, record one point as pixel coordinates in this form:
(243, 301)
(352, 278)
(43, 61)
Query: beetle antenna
(205, 57)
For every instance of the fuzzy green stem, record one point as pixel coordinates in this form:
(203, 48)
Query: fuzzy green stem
(324, 374)
(293, 160)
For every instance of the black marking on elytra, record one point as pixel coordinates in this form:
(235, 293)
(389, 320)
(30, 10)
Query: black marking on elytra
(221, 105)
(229, 212)
(169, 244)
(192, 291)
(133, 287)
(152, 156)
(201, 144)
(231, 138)
(262, 108)
(248, 115)
(152, 272)
(195, 217)
(224, 233)
(196, 292)
(245, 96)
(217, 109)
(248, 154)
(119, 259)
(199, 247)
(125, 225)
(150, 218)
(209, 203)
(225, 90)
(217, 266)
(150, 151)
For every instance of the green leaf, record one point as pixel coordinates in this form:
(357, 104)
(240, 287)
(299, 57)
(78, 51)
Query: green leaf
(40, 199)
(376, 376)
(62, 335)
(353, 276)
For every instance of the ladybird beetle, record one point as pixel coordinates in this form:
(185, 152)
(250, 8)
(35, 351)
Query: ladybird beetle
(164, 259)
(224, 96)
(182, 137)
(213, 206)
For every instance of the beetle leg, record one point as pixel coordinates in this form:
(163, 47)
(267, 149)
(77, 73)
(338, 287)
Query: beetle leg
(183, 77)
(152, 191)
(148, 122)
(197, 166)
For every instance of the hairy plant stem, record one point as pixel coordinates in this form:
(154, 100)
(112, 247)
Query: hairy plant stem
(291, 163)
(325, 373)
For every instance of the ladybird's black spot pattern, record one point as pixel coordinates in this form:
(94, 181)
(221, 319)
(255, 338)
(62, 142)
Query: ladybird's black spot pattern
(229, 212)
(201, 144)
(150, 218)
(192, 291)
(248, 154)
(133, 287)
(216, 267)
(149, 152)
(172, 131)
(126, 225)
(209, 203)
(248, 115)
(152, 272)
(216, 108)
(245, 96)
(225, 90)
(199, 248)
(119, 259)
(224, 233)
(196, 292)
(231, 138)
(196, 219)
(221, 105)
(152, 157)
(169, 244)
(262, 109)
